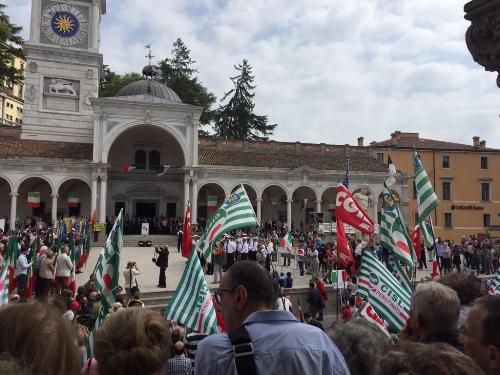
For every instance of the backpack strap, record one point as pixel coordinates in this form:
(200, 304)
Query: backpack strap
(243, 351)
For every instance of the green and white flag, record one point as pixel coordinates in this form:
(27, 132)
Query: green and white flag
(394, 235)
(4, 286)
(389, 299)
(427, 232)
(426, 197)
(107, 273)
(192, 303)
(494, 289)
(236, 212)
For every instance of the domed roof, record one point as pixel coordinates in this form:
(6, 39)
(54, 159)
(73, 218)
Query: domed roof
(149, 87)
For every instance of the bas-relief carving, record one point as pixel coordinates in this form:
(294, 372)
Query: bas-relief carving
(61, 87)
(32, 67)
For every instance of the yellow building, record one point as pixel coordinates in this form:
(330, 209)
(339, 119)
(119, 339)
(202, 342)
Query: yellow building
(12, 100)
(466, 179)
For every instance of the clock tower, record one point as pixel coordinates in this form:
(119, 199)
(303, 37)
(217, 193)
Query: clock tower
(63, 66)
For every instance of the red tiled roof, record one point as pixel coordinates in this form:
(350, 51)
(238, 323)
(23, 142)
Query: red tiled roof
(428, 144)
(11, 146)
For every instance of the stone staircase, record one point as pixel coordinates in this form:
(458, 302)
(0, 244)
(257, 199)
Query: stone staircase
(131, 240)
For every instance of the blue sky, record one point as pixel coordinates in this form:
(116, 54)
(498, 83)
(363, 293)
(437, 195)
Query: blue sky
(326, 70)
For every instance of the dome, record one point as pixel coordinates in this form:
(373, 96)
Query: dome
(149, 87)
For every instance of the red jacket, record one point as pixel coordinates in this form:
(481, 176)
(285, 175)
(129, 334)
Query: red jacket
(321, 287)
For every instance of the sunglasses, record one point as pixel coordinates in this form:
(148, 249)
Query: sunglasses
(219, 292)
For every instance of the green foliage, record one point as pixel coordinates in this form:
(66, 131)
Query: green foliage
(112, 82)
(10, 47)
(178, 72)
(236, 119)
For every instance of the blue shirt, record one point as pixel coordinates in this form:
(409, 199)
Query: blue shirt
(281, 345)
(439, 249)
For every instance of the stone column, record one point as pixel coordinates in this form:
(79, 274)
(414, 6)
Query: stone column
(54, 207)
(318, 206)
(102, 200)
(186, 193)
(13, 209)
(289, 214)
(93, 199)
(94, 35)
(259, 210)
(194, 203)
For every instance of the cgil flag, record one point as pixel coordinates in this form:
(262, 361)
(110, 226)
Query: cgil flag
(393, 233)
(344, 252)
(192, 303)
(107, 271)
(33, 199)
(389, 299)
(236, 212)
(426, 197)
(350, 212)
(73, 200)
(187, 244)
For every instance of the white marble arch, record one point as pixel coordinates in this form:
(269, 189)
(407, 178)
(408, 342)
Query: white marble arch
(274, 183)
(121, 128)
(8, 181)
(314, 190)
(28, 176)
(60, 183)
(246, 183)
(205, 183)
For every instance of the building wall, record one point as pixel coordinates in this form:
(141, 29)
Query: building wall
(465, 175)
(12, 99)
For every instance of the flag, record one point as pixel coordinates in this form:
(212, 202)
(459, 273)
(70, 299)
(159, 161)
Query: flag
(495, 285)
(236, 212)
(12, 254)
(339, 277)
(343, 250)
(345, 181)
(186, 233)
(385, 294)
(4, 287)
(33, 199)
(415, 240)
(73, 200)
(94, 218)
(107, 272)
(426, 197)
(286, 241)
(370, 315)
(161, 170)
(393, 233)
(31, 285)
(192, 303)
(72, 256)
(428, 232)
(128, 167)
(392, 172)
(435, 269)
(212, 203)
(349, 212)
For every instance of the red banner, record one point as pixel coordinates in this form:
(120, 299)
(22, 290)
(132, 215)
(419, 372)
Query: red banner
(186, 234)
(348, 211)
(344, 252)
(415, 239)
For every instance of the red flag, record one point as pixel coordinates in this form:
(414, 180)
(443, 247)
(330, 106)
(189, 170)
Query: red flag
(127, 167)
(186, 234)
(350, 212)
(415, 239)
(94, 218)
(343, 250)
(435, 269)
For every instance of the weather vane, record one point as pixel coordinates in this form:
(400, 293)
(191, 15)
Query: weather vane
(149, 56)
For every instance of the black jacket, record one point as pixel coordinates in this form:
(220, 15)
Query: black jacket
(162, 260)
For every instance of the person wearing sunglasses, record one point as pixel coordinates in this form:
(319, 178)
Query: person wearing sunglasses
(482, 334)
(275, 342)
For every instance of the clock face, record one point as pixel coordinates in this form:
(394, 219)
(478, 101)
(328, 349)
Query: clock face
(64, 24)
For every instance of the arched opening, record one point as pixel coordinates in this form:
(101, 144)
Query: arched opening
(34, 201)
(303, 205)
(4, 204)
(273, 207)
(74, 199)
(157, 193)
(210, 197)
(328, 199)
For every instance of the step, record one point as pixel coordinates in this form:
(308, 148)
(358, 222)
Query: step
(131, 240)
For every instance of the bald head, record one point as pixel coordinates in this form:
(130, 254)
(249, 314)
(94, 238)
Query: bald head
(179, 347)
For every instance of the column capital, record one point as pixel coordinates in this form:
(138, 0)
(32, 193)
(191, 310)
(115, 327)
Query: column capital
(318, 201)
(54, 195)
(258, 199)
(13, 194)
(289, 200)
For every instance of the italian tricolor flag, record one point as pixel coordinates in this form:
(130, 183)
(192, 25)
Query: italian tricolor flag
(339, 277)
(212, 202)
(73, 200)
(33, 199)
(287, 241)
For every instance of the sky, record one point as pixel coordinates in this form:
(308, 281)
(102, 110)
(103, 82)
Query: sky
(325, 70)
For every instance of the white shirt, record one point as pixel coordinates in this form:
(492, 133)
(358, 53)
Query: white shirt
(359, 249)
(126, 275)
(283, 303)
(22, 265)
(63, 265)
(231, 247)
(244, 248)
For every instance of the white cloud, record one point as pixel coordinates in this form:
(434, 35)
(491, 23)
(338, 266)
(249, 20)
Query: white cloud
(326, 71)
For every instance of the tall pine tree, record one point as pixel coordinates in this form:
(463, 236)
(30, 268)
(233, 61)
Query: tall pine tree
(178, 73)
(10, 47)
(236, 119)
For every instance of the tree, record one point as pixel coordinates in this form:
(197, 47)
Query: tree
(236, 119)
(112, 82)
(178, 74)
(10, 48)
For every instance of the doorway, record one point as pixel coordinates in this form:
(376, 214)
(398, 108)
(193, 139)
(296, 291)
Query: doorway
(145, 209)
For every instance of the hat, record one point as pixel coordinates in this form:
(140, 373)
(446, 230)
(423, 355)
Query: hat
(74, 306)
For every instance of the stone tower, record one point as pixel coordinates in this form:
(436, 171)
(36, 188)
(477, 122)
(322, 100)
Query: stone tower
(63, 66)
